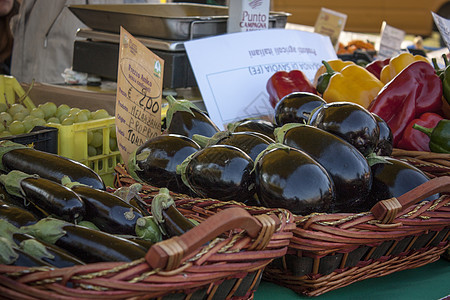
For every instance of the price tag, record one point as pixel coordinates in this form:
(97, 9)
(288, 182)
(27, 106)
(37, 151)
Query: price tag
(443, 26)
(139, 90)
(391, 40)
(330, 23)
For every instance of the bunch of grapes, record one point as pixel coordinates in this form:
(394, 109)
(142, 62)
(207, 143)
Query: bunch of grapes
(17, 119)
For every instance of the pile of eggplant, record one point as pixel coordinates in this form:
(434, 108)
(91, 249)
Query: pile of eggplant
(313, 157)
(56, 212)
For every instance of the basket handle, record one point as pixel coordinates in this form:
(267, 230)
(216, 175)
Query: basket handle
(387, 210)
(168, 254)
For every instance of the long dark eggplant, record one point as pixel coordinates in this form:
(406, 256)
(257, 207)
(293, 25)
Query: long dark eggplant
(106, 210)
(346, 165)
(16, 216)
(48, 196)
(253, 125)
(51, 166)
(87, 244)
(296, 107)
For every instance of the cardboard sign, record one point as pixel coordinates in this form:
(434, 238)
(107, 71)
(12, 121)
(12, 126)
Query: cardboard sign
(443, 26)
(245, 15)
(391, 40)
(139, 90)
(330, 23)
(232, 70)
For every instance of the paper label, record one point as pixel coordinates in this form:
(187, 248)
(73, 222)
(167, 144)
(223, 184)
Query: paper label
(443, 26)
(139, 90)
(391, 40)
(232, 77)
(330, 23)
(248, 15)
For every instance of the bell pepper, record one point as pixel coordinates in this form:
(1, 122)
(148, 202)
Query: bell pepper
(416, 140)
(283, 83)
(445, 77)
(397, 64)
(336, 64)
(376, 66)
(414, 91)
(353, 83)
(439, 136)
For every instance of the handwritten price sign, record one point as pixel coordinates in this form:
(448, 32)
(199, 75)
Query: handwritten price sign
(139, 90)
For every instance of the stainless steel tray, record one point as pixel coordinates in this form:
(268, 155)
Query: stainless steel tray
(171, 21)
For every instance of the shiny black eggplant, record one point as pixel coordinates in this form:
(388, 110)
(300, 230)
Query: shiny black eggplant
(88, 244)
(184, 118)
(47, 165)
(251, 142)
(222, 172)
(16, 216)
(46, 195)
(296, 107)
(385, 139)
(51, 254)
(107, 211)
(350, 121)
(347, 166)
(394, 178)
(289, 178)
(253, 125)
(155, 161)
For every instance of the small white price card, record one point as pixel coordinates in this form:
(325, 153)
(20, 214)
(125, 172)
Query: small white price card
(139, 90)
(330, 23)
(443, 26)
(391, 39)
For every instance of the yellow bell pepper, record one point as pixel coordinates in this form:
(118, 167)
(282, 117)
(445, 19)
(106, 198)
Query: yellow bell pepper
(397, 64)
(353, 84)
(336, 64)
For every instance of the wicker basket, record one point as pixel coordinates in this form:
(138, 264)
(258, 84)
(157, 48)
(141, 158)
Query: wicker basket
(330, 251)
(221, 258)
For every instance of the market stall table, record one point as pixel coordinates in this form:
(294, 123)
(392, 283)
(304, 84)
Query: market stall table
(430, 282)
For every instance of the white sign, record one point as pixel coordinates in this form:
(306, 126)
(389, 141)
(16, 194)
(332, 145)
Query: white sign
(232, 70)
(331, 23)
(443, 26)
(245, 15)
(390, 41)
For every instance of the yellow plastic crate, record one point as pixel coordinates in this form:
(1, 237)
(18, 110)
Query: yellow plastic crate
(11, 90)
(73, 144)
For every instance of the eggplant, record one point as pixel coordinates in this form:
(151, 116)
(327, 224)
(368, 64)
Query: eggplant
(289, 178)
(222, 172)
(25, 259)
(347, 167)
(385, 139)
(155, 161)
(16, 216)
(349, 121)
(107, 211)
(184, 118)
(394, 178)
(46, 252)
(166, 215)
(51, 166)
(47, 196)
(89, 245)
(296, 107)
(250, 142)
(253, 125)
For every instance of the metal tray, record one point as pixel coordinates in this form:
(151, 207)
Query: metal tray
(171, 21)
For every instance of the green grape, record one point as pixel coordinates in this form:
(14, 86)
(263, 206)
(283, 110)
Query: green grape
(16, 127)
(99, 152)
(16, 108)
(38, 113)
(90, 136)
(97, 138)
(112, 131)
(3, 107)
(62, 117)
(113, 144)
(5, 118)
(81, 116)
(2, 127)
(68, 121)
(92, 151)
(49, 109)
(74, 110)
(100, 114)
(20, 116)
(88, 112)
(53, 120)
(28, 124)
(38, 122)
(5, 133)
(63, 109)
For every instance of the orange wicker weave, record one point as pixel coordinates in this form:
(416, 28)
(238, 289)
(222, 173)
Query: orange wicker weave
(222, 258)
(433, 164)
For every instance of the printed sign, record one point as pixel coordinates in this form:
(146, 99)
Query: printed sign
(248, 15)
(139, 90)
(443, 26)
(391, 40)
(330, 23)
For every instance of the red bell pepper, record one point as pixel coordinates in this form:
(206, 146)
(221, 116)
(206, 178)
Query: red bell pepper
(283, 83)
(416, 140)
(414, 91)
(375, 66)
